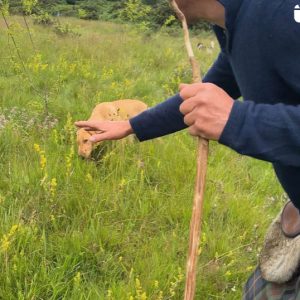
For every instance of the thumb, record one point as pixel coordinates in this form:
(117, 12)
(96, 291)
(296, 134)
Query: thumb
(182, 86)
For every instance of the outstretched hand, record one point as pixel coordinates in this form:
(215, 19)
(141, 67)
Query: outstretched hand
(109, 130)
(206, 109)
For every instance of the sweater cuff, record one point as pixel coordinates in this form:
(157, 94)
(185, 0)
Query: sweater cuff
(234, 125)
(160, 120)
(137, 126)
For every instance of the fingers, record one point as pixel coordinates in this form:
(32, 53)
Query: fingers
(189, 90)
(189, 105)
(88, 125)
(96, 138)
(81, 124)
(190, 118)
(88, 128)
(193, 131)
(96, 130)
(182, 86)
(106, 130)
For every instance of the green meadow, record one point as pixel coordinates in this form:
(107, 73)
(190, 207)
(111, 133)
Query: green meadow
(115, 227)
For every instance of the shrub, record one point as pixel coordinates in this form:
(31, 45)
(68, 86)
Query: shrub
(66, 29)
(135, 11)
(91, 10)
(82, 14)
(43, 18)
(28, 6)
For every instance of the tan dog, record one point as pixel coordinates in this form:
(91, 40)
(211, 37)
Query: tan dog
(107, 111)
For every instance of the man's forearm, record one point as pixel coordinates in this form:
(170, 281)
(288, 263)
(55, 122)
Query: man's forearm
(264, 131)
(160, 120)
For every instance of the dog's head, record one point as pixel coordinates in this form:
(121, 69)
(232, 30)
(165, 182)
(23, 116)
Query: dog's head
(85, 146)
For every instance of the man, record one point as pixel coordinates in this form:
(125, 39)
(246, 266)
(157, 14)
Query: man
(259, 60)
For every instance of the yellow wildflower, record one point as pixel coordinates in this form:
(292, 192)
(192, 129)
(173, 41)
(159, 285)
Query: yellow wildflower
(69, 159)
(13, 229)
(228, 274)
(160, 295)
(77, 279)
(89, 177)
(43, 160)
(55, 136)
(109, 294)
(5, 243)
(37, 148)
(53, 185)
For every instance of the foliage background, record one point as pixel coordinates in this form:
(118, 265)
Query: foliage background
(158, 11)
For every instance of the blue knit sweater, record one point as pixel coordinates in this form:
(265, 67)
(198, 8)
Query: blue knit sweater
(260, 61)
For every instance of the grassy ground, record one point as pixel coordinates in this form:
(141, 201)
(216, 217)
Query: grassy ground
(118, 228)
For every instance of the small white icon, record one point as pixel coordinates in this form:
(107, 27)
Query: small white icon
(297, 13)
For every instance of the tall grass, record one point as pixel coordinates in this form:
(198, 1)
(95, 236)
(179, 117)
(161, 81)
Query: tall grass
(117, 228)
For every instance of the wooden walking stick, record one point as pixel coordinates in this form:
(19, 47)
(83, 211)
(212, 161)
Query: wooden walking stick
(202, 156)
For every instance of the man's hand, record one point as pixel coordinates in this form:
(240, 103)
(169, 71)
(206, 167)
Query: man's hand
(110, 130)
(206, 108)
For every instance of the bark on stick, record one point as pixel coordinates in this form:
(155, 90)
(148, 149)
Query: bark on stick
(202, 157)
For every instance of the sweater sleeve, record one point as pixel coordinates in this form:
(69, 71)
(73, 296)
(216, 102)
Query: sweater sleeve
(165, 118)
(264, 131)
(160, 120)
(271, 132)
(221, 74)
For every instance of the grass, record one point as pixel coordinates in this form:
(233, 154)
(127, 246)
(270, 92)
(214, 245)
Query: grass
(117, 228)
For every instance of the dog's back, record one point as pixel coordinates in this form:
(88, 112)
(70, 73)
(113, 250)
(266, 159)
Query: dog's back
(117, 110)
